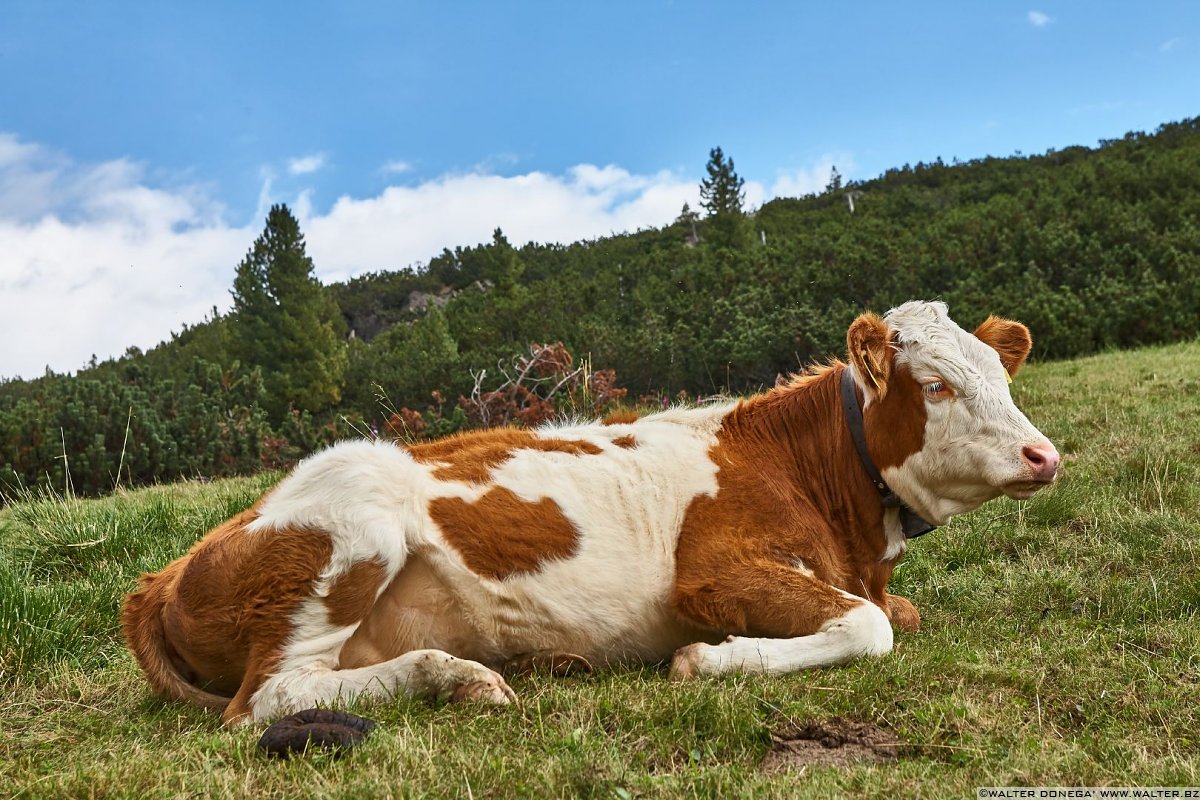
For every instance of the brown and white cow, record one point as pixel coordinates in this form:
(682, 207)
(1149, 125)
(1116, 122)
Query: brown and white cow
(741, 536)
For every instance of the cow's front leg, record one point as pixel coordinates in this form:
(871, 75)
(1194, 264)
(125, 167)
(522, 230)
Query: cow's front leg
(862, 631)
(809, 623)
(903, 613)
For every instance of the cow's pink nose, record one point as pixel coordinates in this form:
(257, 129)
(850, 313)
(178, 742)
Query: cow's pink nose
(1043, 459)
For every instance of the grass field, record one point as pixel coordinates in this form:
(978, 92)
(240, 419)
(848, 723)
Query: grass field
(1060, 645)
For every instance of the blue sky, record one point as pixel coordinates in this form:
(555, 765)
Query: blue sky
(140, 143)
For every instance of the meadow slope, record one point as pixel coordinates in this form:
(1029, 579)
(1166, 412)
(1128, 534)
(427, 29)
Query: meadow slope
(1060, 645)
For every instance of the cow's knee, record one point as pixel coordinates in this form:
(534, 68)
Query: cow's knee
(864, 630)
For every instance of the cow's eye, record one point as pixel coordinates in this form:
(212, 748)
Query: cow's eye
(937, 389)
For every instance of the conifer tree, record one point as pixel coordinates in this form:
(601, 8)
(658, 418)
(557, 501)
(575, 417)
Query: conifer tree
(835, 180)
(722, 196)
(688, 218)
(285, 323)
(721, 192)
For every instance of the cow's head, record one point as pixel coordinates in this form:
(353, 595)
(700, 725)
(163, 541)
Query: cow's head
(940, 421)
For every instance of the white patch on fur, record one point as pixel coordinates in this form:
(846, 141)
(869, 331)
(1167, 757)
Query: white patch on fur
(893, 534)
(802, 568)
(366, 495)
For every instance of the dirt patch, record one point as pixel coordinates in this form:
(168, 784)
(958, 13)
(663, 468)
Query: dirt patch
(837, 742)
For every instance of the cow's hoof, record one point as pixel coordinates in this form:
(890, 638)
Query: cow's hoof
(560, 665)
(903, 614)
(685, 665)
(489, 691)
(314, 729)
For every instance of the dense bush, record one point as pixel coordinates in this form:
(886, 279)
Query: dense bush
(91, 434)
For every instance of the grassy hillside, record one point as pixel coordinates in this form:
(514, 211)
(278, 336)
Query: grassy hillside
(1060, 645)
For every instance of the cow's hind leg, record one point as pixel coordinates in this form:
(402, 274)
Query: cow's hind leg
(430, 673)
(305, 671)
(300, 670)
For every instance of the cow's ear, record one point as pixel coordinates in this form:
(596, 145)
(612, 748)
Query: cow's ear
(1010, 339)
(869, 343)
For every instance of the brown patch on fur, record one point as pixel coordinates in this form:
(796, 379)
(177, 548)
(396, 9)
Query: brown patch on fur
(1010, 339)
(501, 535)
(471, 457)
(219, 616)
(737, 552)
(354, 592)
(572, 446)
(621, 418)
(627, 442)
(895, 422)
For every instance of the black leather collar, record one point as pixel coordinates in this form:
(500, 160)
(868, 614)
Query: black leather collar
(911, 522)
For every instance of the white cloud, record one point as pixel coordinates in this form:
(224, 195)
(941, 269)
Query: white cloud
(306, 165)
(813, 179)
(1170, 44)
(396, 167)
(402, 224)
(1038, 19)
(13, 150)
(93, 259)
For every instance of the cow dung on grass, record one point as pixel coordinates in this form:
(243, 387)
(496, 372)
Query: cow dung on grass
(836, 742)
(314, 729)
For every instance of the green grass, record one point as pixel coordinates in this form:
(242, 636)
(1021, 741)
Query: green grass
(1060, 645)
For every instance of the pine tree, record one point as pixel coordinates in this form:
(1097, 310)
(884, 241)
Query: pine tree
(688, 219)
(722, 196)
(835, 181)
(285, 323)
(721, 192)
(503, 266)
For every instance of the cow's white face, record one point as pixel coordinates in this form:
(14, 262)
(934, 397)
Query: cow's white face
(974, 444)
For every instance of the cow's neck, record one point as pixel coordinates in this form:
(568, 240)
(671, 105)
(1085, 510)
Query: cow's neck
(802, 430)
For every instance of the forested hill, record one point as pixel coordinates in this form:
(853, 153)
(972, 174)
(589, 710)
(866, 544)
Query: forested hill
(1092, 247)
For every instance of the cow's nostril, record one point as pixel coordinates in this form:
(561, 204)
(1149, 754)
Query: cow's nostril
(1042, 459)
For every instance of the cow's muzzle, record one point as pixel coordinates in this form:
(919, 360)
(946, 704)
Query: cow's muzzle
(1041, 462)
